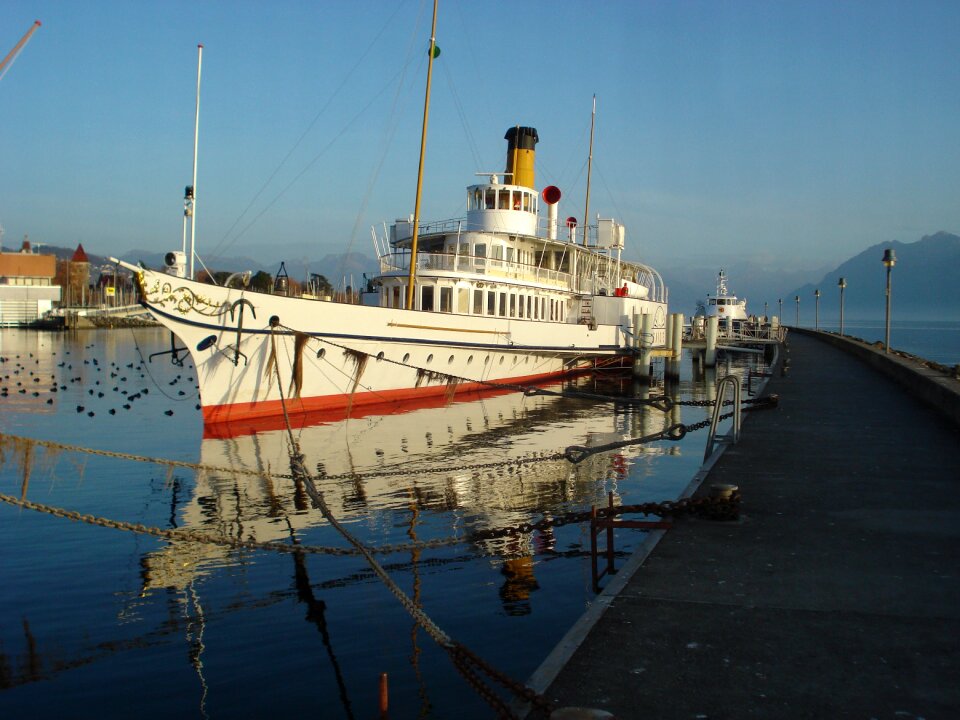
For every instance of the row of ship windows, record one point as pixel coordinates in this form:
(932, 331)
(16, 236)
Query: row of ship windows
(322, 352)
(502, 199)
(484, 302)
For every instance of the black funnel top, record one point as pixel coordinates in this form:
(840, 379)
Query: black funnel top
(523, 138)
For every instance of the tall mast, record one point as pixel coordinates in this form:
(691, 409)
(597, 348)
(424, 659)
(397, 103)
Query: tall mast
(586, 209)
(423, 149)
(12, 55)
(193, 187)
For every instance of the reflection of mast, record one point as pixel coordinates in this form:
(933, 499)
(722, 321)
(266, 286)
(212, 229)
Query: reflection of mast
(316, 613)
(415, 569)
(196, 644)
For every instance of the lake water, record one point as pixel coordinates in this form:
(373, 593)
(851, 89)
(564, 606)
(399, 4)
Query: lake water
(935, 340)
(101, 622)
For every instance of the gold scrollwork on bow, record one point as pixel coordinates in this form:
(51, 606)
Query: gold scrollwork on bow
(183, 300)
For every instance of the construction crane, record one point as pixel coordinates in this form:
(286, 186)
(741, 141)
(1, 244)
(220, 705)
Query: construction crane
(12, 55)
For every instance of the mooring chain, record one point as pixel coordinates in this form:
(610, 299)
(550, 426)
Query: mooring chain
(578, 453)
(179, 535)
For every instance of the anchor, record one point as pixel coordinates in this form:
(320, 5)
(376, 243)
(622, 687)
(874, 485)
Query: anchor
(174, 352)
(233, 309)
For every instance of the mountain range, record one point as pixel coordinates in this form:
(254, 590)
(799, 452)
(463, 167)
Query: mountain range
(922, 280)
(922, 284)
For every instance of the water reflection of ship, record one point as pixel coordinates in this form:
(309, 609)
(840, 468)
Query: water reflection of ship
(458, 463)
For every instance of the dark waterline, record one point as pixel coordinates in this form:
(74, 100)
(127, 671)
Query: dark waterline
(108, 624)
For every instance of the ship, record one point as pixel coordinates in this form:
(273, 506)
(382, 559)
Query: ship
(507, 295)
(727, 307)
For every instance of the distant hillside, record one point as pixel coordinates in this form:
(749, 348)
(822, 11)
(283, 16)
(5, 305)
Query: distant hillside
(340, 270)
(923, 283)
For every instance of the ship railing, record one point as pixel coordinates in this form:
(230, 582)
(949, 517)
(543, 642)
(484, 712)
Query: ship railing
(476, 265)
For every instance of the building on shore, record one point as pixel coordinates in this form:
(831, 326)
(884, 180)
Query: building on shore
(28, 288)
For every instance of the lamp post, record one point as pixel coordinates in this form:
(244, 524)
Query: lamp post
(842, 284)
(816, 317)
(889, 260)
(780, 304)
(796, 299)
(766, 316)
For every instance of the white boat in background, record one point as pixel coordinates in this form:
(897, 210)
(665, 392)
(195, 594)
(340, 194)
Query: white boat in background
(727, 307)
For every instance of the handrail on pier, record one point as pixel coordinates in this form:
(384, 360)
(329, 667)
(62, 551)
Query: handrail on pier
(734, 435)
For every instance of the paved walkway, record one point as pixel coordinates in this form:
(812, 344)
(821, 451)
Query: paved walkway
(836, 595)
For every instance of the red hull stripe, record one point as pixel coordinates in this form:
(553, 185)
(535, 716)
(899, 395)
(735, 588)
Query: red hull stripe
(223, 421)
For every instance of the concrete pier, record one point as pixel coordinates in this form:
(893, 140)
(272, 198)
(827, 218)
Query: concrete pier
(836, 594)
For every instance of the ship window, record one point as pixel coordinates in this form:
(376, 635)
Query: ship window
(480, 251)
(513, 305)
(526, 202)
(528, 305)
(430, 358)
(504, 200)
(426, 298)
(477, 199)
(520, 307)
(503, 304)
(516, 199)
(406, 357)
(491, 302)
(463, 301)
(446, 299)
(491, 199)
(478, 302)
(510, 254)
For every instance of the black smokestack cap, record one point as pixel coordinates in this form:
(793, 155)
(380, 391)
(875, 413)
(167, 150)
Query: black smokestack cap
(523, 138)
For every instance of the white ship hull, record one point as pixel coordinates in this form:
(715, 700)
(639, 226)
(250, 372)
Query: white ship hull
(259, 355)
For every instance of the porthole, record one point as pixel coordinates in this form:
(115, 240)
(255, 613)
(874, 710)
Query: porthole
(380, 356)
(526, 360)
(501, 359)
(450, 360)
(406, 357)
(486, 360)
(321, 352)
(430, 358)
(469, 359)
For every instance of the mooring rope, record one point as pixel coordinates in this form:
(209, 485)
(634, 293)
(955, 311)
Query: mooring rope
(467, 662)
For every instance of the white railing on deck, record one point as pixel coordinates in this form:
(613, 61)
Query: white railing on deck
(470, 264)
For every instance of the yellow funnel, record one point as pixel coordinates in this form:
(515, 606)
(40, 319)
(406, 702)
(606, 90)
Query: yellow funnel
(521, 142)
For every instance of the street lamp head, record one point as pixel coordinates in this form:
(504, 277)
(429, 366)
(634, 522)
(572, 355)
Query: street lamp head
(816, 293)
(842, 282)
(797, 298)
(889, 257)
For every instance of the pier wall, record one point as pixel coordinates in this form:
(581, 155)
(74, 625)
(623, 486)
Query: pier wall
(936, 387)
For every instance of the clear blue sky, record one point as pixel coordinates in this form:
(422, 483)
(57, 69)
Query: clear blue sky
(799, 132)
